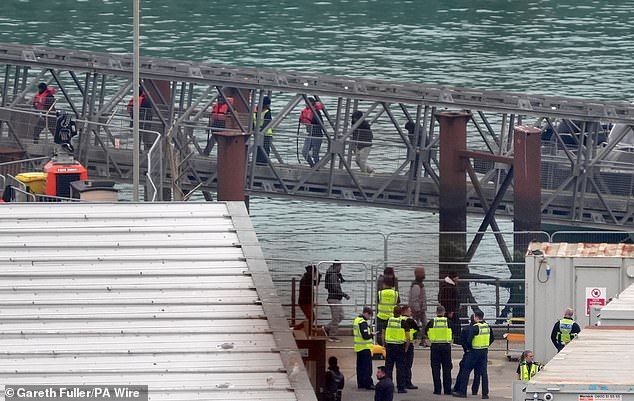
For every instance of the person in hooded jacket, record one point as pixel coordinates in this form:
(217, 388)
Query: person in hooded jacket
(334, 381)
(362, 140)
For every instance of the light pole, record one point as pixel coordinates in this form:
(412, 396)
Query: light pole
(135, 90)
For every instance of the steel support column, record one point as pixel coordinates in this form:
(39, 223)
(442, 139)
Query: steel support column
(453, 192)
(527, 196)
(232, 153)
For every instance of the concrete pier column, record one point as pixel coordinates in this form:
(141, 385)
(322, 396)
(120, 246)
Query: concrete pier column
(453, 192)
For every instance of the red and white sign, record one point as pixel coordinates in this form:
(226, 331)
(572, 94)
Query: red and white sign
(595, 296)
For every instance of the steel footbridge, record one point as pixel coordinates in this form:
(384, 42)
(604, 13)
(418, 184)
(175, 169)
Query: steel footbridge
(582, 183)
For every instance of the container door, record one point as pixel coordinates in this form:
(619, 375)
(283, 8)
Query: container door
(593, 286)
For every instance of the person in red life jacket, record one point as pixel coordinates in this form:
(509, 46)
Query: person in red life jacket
(145, 117)
(264, 119)
(44, 101)
(217, 121)
(313, 123)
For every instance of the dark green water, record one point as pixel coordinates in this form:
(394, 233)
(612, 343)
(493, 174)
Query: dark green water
(577, 48)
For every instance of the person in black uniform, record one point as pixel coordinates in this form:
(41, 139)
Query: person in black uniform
(406, 312)
(363, 335)
(478, 339)
(440, 335)
(384, 390)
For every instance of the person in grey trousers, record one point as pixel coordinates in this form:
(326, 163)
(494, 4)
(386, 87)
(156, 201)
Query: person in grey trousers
(335, 295)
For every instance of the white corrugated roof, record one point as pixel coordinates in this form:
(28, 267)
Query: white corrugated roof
(173, 295)
(599, 356)
(620, 310)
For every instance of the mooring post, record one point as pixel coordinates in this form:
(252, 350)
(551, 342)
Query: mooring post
(453, 192)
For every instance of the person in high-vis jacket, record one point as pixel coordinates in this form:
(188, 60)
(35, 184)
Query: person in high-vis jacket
(527, 367)
(397, 342)
(362, 333)
(440, 336)
(406, 314)
(565, 330)
(388, 298)
(478, 339)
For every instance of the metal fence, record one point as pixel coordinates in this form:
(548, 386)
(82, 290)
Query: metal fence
(490, 277)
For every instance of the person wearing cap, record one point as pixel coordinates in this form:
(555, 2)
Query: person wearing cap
(314, 123)
(264, 118)
(44, 101)
(363, 348)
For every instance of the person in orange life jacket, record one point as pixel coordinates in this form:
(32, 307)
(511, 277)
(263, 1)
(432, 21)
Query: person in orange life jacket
(43, 101)
(313, 122)
(145, 117)
(265, 118)
(217, 121)
(362, 139)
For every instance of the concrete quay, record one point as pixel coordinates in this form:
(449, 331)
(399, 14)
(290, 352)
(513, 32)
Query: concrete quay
(501, 373)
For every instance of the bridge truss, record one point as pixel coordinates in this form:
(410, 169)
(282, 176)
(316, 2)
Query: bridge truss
(582, 184)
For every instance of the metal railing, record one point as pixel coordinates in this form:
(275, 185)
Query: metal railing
(489, 280)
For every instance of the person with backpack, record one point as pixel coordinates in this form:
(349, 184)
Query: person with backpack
(334, 381)
(313, 122)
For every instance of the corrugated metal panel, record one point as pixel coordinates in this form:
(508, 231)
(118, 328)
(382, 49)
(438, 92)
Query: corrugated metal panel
(172, 295)
(619, 311)
(598, 357)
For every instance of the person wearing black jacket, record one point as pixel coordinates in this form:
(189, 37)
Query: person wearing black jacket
(362, 333)
(334, 381)
(384, 390)
(478, 339)
(362, 139)
(335, 295)
(305, 299)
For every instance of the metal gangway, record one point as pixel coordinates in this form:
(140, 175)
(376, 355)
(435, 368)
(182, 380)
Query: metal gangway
(582, 182)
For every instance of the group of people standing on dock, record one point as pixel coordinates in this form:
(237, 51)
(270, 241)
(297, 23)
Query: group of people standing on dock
(401, 327)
